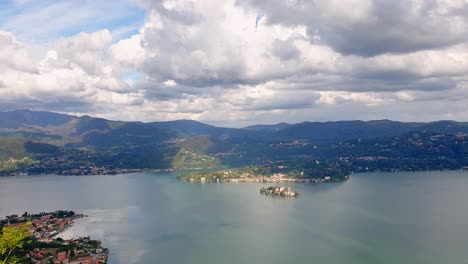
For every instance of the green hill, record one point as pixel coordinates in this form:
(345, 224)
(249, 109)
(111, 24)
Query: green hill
(12, 148)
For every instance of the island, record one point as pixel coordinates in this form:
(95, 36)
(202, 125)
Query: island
(279, 191)
(310, 172)
(38, 242)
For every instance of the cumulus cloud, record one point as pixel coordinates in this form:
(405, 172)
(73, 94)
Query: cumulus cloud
(84, 50)
(13, 55)
(75, 75)
(215, 61)
(372, 27)
(129, 52)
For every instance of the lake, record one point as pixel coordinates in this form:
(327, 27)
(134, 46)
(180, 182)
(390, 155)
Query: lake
(153, 218)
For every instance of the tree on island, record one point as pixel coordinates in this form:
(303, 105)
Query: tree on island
(11, 239)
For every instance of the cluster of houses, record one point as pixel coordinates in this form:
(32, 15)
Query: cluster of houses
(279, 191)
(76, 251)
(46, 248)
(277, 177)
(95, 170)
(46, 227)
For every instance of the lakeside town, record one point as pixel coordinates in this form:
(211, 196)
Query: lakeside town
(45, 247)
(12, 167)
(271, 173)
(275, 178)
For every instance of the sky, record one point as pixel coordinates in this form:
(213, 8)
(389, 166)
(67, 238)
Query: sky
(237, 62)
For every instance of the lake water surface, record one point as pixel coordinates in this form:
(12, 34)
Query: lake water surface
(153, 218)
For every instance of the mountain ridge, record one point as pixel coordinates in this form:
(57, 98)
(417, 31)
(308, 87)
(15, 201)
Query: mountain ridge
(193, 144)
(27, 121)
(91, 132)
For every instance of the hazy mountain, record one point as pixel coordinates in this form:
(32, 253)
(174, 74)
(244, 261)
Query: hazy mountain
(129, 135)
(19, 118)
(195, 128)
(98, 133)
(87, 124)
(345, 130)
(275, 127)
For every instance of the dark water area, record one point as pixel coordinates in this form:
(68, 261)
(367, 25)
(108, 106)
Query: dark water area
(153, 218)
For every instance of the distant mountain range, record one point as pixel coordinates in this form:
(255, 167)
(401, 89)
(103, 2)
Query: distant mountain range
(86, 131)
(192, 144)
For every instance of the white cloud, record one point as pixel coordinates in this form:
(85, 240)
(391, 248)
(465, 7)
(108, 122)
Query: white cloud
(85, 50)
(372, 27)
(13, 55)
(170, 83)
(129, 51)
(207, 60)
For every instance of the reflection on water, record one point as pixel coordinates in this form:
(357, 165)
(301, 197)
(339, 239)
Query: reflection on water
(111, 227)
(153, 218)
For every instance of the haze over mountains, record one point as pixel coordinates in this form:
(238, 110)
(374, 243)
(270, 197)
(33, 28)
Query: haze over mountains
(68, 130)
(45, 137)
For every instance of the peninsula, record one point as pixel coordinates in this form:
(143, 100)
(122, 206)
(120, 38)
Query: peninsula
(304, 171)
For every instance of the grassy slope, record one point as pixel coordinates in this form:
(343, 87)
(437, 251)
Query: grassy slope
(195, 153)
(12, 148)
(13, 154)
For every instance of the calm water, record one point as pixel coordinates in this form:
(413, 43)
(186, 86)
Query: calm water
(153, 218)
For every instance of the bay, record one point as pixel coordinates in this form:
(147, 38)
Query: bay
(417, 217)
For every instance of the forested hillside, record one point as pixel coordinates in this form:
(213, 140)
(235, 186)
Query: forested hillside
(43, 142)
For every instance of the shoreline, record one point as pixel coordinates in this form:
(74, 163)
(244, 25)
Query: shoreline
(265, 179)
(117, 172)
(89, 174)
(179, 170)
